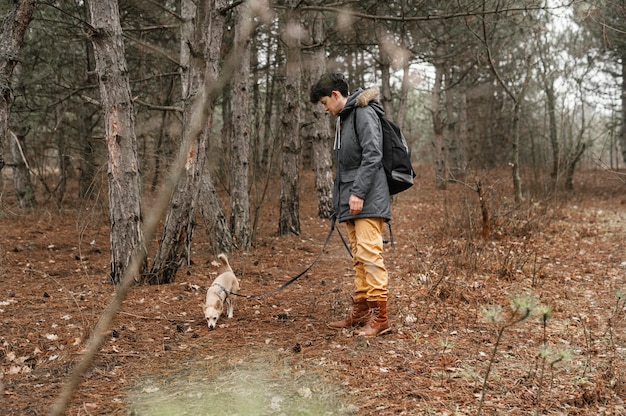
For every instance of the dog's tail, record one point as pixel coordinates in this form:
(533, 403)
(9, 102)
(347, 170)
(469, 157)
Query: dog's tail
(222, 257)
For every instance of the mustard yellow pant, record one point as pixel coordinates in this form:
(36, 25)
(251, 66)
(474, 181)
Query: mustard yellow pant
(366, 242)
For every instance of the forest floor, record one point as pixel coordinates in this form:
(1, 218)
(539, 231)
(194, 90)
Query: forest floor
(457, 345)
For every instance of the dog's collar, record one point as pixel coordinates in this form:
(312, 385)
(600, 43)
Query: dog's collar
(222, 290)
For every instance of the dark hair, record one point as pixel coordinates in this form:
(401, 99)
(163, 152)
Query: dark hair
(329, 82)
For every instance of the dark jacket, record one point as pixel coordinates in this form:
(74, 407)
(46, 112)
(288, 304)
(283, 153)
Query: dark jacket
(359, 159)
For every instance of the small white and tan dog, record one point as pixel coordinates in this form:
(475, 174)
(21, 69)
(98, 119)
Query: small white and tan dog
(220, 293)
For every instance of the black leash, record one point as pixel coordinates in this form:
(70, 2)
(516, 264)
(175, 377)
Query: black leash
(333, 221)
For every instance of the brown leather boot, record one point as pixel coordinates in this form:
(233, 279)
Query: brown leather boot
(378, 323)
(359, 316)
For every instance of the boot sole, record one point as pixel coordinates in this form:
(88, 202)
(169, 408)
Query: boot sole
(357, 325)
(337, 328)
(383, 332)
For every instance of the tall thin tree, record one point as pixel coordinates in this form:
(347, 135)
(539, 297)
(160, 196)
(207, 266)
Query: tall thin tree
(606, 21)
(317, 124)
(440, 162)
(24, 190)
(240, 141)
(201, 61)
(126, 235)
(289, 217)
(11, 38)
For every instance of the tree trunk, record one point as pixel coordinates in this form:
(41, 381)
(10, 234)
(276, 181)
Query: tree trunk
(404, 95)
(214, 218)
(455, 146)
(268, 143)
(571, 165)
(64, 160)
(318, 131)
(385, 79)
(87, 162)
(24, 190)
(265, 151)
(462, 137)
(200, 67)
(623, 130)
(440, 151)
(227, 126)
(450, 139)
(577, 149)
(161, 152)
(552, 128)
(289, 217)
(240, 139)
(124, 181)
(515, 168)
(255, 128)
(11, 38)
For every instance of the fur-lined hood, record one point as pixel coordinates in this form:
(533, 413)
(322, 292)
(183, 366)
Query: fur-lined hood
(363, 98)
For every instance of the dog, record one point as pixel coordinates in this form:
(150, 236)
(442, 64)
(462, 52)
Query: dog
(220, 293)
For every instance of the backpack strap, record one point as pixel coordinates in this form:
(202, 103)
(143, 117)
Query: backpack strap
(354, 125)
(393, 244)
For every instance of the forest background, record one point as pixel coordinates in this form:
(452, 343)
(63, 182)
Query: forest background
(224, 86)
(195, 109)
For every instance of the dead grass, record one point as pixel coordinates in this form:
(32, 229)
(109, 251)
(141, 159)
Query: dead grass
(277, 356)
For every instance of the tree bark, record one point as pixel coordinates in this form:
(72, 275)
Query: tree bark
(385, 80)
(24, 190)
(440, 151)
(11, 38)
(547, 74)
(161, 151)
(267, 142)
(623, 129)
(462, 137)
(124, 181)
(64, 163)
(577, 154)
(515, 166)
(455, 146)
(265, 151)
(214, 219)
(87, 161)
(318, 131)
(289, 217)
(240, 139)
(404, 95)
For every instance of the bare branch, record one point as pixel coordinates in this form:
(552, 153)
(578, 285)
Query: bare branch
(153, 48)
(428, 17)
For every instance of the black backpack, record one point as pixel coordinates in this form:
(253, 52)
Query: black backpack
(396, 157)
